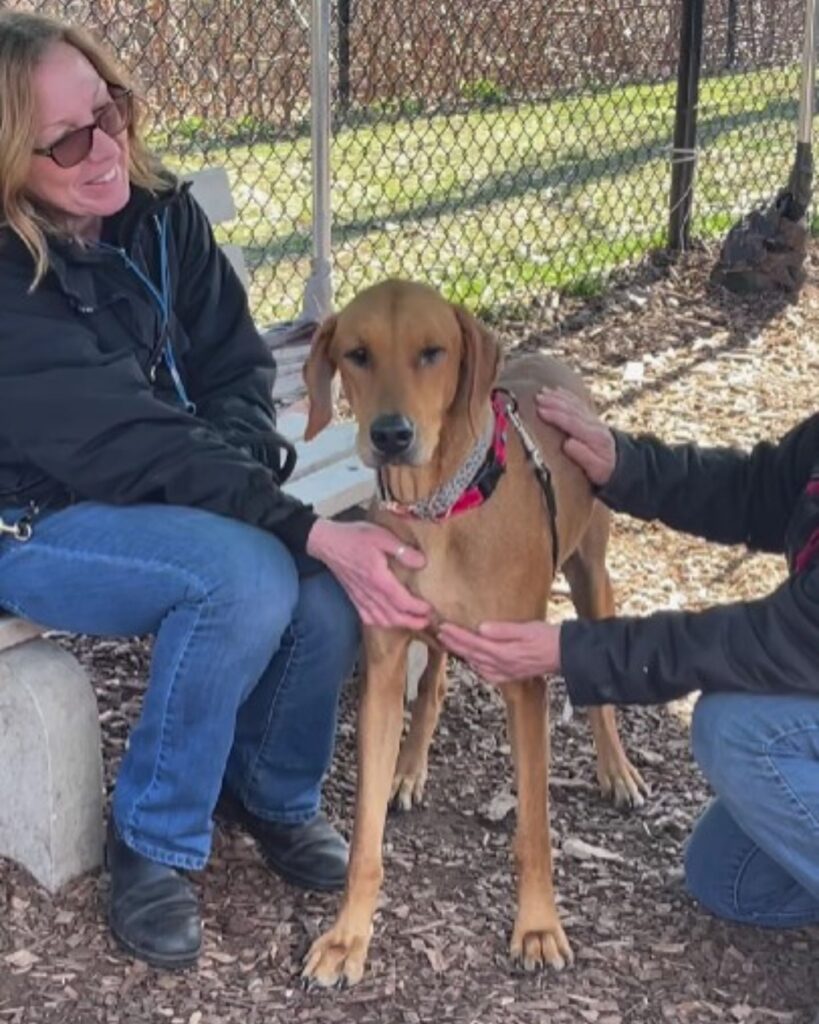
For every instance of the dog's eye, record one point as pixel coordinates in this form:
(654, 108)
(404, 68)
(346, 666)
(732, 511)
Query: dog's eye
(358, 356)
(431, 355)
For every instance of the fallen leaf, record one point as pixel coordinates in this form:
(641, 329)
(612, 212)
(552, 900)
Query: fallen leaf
(22, 959)
(581, 850)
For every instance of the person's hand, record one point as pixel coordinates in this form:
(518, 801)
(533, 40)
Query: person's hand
(590, 442)
(502, 652)
(357, 554)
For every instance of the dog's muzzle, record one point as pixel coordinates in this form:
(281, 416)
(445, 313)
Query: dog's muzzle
(392, 436)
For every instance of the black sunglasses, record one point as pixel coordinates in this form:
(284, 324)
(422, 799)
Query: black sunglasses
(113, 119)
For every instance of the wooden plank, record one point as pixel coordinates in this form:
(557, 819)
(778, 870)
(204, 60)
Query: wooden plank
(211, 189)
(336, 487)
(289, 385)
(291, 332)
(292, 355)
(16, 631)
(236, 258)
(331, 445)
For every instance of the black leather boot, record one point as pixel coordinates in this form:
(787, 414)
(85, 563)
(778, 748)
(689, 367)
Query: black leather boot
(312, 856)
(153, 910)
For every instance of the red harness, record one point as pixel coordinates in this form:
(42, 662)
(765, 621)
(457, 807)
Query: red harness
(810, 549)
(483, 484)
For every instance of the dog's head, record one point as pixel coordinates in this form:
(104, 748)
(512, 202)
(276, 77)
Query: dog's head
(408, 359)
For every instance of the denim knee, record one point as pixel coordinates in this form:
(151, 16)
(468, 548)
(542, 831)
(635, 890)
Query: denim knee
(329, 618)
(720, 741)
(254, 575)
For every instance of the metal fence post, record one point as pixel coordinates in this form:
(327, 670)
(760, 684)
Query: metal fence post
(318, 293)
(345, 14)
(683, 157)
(731, 35)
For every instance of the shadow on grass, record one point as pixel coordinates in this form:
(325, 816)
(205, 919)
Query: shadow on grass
(561, 178)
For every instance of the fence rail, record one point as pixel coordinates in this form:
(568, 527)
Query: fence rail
(494, 149)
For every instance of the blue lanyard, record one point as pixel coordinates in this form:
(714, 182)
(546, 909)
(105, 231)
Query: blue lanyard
(162, 298)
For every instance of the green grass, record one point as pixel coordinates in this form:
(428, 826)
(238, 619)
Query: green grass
(502, 202)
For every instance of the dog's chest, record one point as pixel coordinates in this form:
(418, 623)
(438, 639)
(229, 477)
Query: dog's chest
(481, 567)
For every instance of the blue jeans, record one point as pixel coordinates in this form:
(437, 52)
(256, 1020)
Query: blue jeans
(247, 665)
(754, 854)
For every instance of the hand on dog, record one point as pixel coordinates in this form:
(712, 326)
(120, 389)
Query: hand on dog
(590, 442)
(502, 652)
(357, 554)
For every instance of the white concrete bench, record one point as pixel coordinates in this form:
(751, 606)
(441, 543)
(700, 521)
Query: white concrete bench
(51, 792)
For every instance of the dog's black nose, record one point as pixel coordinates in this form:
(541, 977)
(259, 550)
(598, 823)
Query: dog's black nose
(392, 435)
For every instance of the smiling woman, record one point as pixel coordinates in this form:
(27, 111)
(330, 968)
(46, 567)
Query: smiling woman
(80, 164)
(69, 142)
(140, 489)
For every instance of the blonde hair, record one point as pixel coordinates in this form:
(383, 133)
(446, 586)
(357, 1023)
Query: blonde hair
(24, 40)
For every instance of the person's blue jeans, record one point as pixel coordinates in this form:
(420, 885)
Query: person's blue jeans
(247, 665)
(754, 854)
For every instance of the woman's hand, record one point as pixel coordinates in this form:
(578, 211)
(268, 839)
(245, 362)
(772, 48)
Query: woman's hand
(357, 554)
(502, 652)
(590, 442)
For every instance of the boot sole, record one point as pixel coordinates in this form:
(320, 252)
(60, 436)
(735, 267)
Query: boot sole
(178, 962)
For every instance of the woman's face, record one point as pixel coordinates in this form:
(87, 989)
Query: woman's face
(69, 94)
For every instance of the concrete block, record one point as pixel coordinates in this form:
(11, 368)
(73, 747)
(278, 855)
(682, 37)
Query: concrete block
(51, 789)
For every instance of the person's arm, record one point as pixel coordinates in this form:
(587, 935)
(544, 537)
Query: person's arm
(90, 420)
(766, 646)
(770, 645)
(230, 368)
(721, 494)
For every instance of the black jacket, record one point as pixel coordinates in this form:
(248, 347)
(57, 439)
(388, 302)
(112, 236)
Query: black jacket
(767, 499)
(88, 408)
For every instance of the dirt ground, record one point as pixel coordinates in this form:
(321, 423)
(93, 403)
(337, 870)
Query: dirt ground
(665, 353)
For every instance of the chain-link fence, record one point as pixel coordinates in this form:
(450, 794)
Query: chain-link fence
(494, 149)
(748, 108)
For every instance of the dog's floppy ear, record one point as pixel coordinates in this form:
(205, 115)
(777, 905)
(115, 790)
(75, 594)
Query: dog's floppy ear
(318, 372)
(480, 362)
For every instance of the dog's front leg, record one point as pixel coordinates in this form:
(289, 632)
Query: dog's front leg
(411, 773)
(538, 937)
(338, 957)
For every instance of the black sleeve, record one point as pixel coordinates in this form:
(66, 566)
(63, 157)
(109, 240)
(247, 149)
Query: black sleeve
(721, 494)
(766, 646)
(231, 370)
(90, 420)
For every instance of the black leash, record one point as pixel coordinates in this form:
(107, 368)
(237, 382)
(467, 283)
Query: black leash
(542, 471)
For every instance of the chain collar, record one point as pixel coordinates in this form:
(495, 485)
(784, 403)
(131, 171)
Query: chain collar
(440, 503)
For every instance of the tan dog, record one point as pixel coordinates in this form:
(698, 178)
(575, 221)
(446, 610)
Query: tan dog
(418, 373)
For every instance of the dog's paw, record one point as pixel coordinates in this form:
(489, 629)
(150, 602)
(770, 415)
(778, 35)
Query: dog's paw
(408, 787)
(621, 783)
(535, 947)
(335, 960)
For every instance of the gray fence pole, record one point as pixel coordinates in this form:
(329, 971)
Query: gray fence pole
(731, 35)
(683, 157)
(318, 294)
(345, 15)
